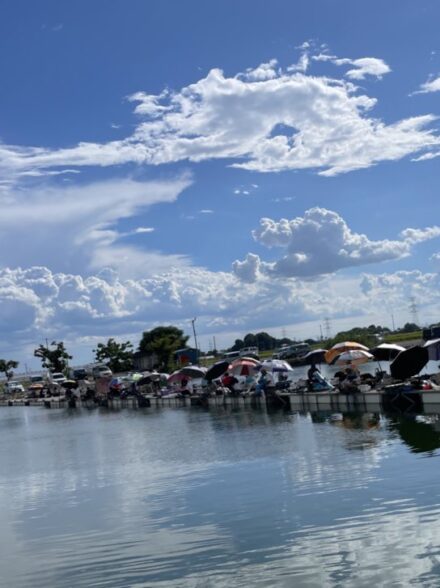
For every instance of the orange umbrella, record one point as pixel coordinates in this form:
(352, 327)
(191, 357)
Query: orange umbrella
(342, 348)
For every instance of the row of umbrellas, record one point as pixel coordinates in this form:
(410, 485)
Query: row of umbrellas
(404, 362)
(243, 366)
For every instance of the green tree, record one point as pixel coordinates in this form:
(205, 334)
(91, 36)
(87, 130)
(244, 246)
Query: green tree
(358, 334)
(163, 342)
(117, 356)
(54, 357)
(410, 328)
(6, 367)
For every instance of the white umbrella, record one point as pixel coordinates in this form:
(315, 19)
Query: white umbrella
(276, 365)
(353, 357)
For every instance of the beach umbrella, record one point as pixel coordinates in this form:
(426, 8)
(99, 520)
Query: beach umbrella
(147, 379)
(193, 371)
(187, 372)
(315, 356)
(341, 347)
(35, 387)
(245, 361)
(217, 370)
(386, 351)
(276, 365)
(409, 362)
(433, 346)
(244, 366)
(352, 357)
(69, 384)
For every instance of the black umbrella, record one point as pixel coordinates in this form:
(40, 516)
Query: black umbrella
(386, 351)
(315, 356)
(148, 379)
(217, 370)
(409, 362)
(70, 384)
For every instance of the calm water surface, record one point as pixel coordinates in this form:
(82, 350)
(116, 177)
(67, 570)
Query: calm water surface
(201, 499)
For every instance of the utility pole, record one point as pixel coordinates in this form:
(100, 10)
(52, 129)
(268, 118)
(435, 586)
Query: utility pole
(320, 330)
(195, 337)
(392, 322)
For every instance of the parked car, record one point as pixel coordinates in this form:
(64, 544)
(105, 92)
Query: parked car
(57, 377)
(101, 371)
(37, 379)
(13, 387)
(79, 374)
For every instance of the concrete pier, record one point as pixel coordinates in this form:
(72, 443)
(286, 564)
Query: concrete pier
(372, 401)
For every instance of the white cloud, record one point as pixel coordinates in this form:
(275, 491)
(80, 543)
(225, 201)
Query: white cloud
(265, 119)
(322, 243)
(432, 85)
(144, 230)
(365, 66)
(414, 236)
(36, 302)
(75, 228)
(394, 291)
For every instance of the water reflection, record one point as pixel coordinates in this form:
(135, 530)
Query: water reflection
(420, 433)
(216, 498)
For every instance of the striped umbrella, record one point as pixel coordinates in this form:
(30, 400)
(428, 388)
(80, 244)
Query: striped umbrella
(341, 348)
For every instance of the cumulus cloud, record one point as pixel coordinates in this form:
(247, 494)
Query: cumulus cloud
(322, 243)
(75, 228)
(266, 119)
(37, 302)
(414, 236)
(432, 85)
(363, 67)
(393, 291)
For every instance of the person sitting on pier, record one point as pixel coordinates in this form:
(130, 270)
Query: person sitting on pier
(185, 387)
(311, 376)
(230, 382)
(315, 380)
(351, 381)
(265, 381)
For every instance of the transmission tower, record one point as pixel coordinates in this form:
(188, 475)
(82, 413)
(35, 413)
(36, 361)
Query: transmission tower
(414, 311)
(328, 328)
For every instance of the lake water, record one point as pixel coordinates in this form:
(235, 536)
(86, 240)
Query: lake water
(195, 498)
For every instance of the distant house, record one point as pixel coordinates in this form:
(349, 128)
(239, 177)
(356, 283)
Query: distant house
(144, 361)
(185, 356)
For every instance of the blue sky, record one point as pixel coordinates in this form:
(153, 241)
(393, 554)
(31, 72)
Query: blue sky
(260, 166)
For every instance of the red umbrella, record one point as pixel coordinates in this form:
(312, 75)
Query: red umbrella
(244, 366)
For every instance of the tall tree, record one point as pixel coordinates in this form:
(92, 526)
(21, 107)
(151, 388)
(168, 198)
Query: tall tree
(54, 357)
(163, 342)
(6, 367)
(118, 356)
